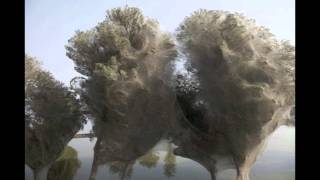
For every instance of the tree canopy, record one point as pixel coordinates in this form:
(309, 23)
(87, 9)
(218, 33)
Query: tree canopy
(52, 115)
(245, 76)
(125, 59)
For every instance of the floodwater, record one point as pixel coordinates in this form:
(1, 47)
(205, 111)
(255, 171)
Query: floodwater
(277, 162)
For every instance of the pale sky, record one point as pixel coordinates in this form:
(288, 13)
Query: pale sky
(50, 23)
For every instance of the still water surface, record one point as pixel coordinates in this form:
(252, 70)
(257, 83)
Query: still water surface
(276, 163)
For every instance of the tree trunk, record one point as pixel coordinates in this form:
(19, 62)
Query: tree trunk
(41, 174)
(243, 175)
(212, 174)
(94, 167)
(94, 170)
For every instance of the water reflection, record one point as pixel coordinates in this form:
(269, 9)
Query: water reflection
(150, 160)
(170, 162)
(65, 166)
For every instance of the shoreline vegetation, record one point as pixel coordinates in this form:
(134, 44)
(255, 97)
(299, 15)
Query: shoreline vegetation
(84, 135)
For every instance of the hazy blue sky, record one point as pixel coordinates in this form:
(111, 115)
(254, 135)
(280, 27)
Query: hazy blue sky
(50, 23)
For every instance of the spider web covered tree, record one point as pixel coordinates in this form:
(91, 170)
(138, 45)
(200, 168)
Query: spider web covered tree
(52, 117)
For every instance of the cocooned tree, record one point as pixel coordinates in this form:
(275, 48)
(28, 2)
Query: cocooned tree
(52, 117)
(246, 82)
(126, 61)
(125, 54)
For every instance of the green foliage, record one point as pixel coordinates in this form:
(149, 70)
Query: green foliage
(68, 153)
(123, 169)
(65, 166)
(170, 162)
(149, 160)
